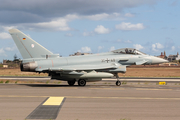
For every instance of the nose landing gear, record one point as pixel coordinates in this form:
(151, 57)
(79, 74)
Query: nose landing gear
(118, 83)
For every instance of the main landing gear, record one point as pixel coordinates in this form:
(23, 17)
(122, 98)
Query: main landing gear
(71, 83)
(81, 82)
(118, 83)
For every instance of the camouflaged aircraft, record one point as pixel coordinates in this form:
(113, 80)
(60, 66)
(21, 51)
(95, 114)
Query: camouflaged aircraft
(85, 68)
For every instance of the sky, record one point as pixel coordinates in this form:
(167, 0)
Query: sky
(94, 26)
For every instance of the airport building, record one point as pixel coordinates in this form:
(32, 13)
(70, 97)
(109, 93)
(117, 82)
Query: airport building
(170, 58)
(173, 57)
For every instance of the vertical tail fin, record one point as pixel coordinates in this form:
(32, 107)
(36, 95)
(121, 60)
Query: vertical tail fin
(27, 46)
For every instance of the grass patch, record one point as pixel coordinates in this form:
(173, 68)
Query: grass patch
(7, 81)
(16, 82)
(125, 119)
(1, 82)
(124, 83)
(47, 82)
(146, 83)
(31, 82)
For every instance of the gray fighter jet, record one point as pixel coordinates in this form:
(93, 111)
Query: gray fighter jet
(86, 68)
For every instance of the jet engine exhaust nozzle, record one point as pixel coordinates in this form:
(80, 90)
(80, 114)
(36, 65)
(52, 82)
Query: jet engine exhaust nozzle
(30, 66)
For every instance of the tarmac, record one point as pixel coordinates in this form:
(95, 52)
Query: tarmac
(133, 100)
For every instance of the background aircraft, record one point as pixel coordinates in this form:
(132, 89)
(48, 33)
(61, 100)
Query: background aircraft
(82, 69)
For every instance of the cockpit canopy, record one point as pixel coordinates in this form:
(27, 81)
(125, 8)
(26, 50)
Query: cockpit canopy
(128, 51)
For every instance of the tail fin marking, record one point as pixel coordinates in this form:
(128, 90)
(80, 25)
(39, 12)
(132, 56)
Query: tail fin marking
(27, 46)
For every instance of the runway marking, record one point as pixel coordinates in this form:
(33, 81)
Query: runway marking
(109, 88)
(54, 101)
(63, 87)
(152, 89)
(147, 80)
(48, 109)
(93, 97)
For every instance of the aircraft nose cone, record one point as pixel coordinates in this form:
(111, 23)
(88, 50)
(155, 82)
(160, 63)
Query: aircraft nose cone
(156, 60)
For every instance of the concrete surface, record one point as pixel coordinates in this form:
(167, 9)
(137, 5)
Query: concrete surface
(96, 101)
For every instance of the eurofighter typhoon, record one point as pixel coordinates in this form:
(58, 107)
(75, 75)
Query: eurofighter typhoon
(86, 68)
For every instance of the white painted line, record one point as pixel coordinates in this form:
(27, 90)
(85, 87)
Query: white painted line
(19, 78)
(147, 80)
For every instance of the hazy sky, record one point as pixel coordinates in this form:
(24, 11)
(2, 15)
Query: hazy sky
(69, 26)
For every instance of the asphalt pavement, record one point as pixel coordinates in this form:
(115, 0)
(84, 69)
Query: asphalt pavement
(96, 101)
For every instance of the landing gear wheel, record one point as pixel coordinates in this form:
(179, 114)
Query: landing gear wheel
(71, 83)
(118, 83)
(82, 82)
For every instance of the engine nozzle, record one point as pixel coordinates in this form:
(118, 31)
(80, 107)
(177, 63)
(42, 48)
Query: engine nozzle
(30, 66)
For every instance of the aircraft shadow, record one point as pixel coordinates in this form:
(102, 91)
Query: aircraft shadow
(55, 85)
(47, 85)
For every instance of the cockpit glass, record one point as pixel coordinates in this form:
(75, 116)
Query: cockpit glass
(129, 51)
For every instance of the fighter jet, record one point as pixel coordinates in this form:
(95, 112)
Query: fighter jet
(81, 69)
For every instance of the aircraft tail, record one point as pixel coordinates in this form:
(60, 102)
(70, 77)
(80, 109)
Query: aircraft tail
(27, 46)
